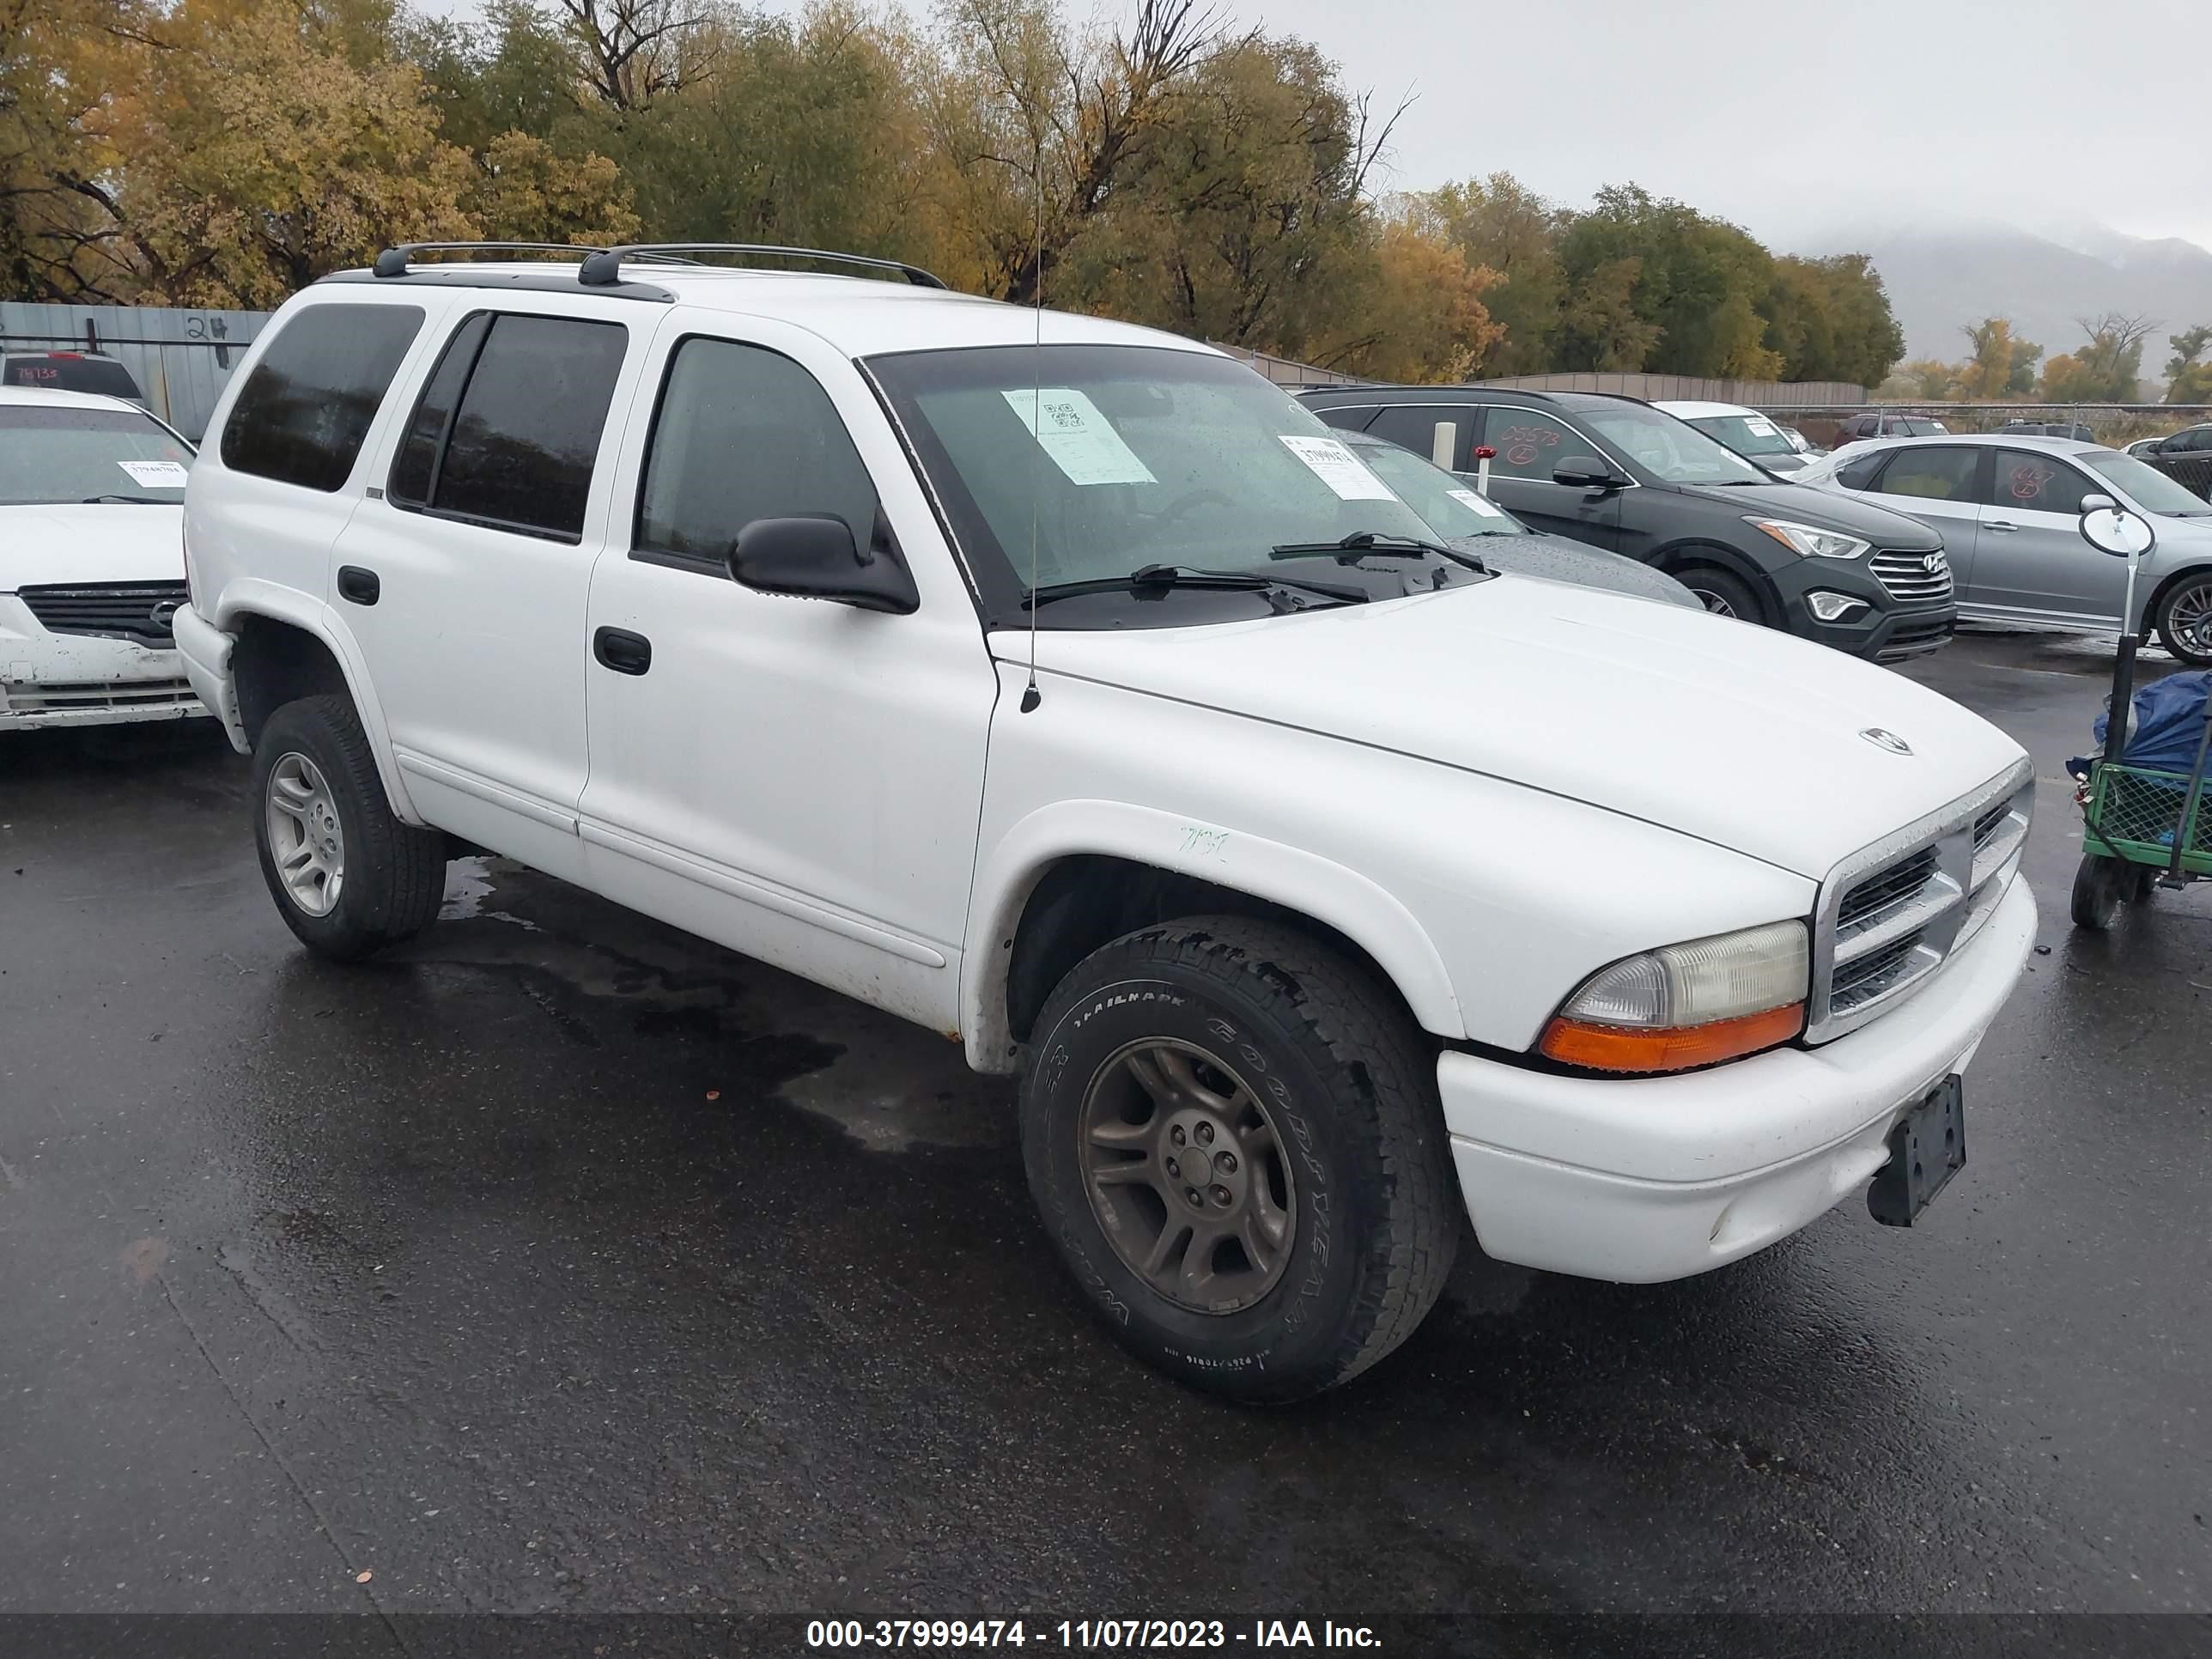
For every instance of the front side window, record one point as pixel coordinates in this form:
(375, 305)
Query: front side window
(1528, 444)
(1939, 472)
(506, 431)
(744, 432)
(1064, 464)
(2146, 486)
(70, 454)
(2036, 483)
(1674, 450)
(303, 413)
(1858, 473)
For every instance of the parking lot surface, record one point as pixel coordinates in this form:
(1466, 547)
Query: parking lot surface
(560, 1261)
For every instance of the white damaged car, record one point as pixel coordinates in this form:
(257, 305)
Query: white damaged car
(1068, 690)
(92, 562)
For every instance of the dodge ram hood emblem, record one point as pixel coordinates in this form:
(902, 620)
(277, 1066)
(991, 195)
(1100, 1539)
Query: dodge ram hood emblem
(1885, 739)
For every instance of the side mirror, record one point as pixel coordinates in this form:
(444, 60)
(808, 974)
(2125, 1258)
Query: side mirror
(2111, 528)
(1586, 472)
(816, 558)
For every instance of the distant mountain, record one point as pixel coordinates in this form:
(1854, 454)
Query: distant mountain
(1941, 278)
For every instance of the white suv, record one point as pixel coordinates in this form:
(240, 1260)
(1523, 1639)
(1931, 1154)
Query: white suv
(1067, 689)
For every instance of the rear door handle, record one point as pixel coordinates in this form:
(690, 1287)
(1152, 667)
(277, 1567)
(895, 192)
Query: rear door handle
(358, 585)
(1999, 524)
(621, 650)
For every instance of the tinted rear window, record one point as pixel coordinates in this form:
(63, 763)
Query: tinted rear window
(526, 434)
(303, 413)
(64, 374)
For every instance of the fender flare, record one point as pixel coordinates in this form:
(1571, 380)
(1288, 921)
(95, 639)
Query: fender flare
(272, 601)
(1354, 904)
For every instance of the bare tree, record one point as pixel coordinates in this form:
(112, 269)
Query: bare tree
(636, 51)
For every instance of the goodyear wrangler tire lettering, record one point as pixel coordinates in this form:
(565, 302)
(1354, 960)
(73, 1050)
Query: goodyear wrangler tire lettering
(1235, 1136)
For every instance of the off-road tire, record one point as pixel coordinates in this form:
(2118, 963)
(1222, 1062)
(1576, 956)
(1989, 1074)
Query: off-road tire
(2193, 591)
(395, 873)
(2099, 886)
(1710, 582)
(1349, 1075)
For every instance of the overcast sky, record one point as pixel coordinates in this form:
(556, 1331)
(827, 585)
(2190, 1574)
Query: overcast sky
(1801, 119)
(1795, 117)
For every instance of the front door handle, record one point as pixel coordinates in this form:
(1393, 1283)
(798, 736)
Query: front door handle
(621, 650)
(1999, 524)
(358, 585)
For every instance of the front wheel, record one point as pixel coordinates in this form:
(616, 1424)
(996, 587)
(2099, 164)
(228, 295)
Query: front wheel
(349, 878)
(1722, 592)
(2185, 622)
(1233, 1136)
(2098, 889)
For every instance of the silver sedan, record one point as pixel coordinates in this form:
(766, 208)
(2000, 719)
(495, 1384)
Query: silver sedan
(2009, 510)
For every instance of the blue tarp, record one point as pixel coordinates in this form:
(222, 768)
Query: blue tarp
(2168, 723)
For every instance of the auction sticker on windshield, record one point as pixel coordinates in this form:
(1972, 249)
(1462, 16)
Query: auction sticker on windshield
(154, 474)
(1339, 469)
(1082, 443)
(1475, 502)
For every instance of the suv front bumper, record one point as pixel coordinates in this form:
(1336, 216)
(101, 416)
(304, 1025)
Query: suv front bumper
(1648, 1179)
(1885, 631)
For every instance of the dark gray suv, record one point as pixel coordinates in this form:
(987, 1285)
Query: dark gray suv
(1619, 474)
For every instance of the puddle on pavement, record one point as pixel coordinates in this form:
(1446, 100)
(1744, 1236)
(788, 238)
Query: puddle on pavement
(760, 1032)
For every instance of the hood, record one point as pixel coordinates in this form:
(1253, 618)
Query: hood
(102, 542)
(1554, 558)
(1822, 508)
(1736, 735)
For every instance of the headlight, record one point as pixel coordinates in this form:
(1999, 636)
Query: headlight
(1687, 1004)
(1810, 540)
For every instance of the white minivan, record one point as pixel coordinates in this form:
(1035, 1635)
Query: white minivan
(1066, 688)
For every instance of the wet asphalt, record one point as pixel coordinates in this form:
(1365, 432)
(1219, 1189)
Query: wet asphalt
(563, 1262)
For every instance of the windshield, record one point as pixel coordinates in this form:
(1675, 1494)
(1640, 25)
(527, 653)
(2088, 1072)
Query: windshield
(2146, 486)
(70, 454)
(1148, 456)
(1451, 506)
(1746, 434)
(1916, 428)
(1673, 449)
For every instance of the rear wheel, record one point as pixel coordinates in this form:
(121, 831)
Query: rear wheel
(2184, 621)
(1233, 1136)
(349, 878)
(2098, 886)
(1722, 592)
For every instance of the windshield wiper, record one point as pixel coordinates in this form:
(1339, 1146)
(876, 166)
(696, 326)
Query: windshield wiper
(135, 501)
(1159, 578)
(1377, 543)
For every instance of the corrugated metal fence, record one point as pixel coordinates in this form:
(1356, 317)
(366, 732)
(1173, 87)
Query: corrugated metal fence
(179, 358)
(1689, 388)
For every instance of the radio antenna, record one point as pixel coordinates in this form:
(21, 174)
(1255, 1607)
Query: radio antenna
(1030, 697)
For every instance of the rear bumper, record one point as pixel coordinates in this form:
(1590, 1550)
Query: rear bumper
(1651, 1179)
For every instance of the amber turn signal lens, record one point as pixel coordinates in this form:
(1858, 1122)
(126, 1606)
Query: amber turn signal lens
(1626, 1048)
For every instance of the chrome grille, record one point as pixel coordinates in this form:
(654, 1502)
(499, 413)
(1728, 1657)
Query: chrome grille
(119, 610)
(1892, 914)
(1873, 897)
(1907, 578)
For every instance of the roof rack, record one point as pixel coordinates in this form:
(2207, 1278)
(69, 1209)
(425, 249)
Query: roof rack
(603, 266)
(394, 261)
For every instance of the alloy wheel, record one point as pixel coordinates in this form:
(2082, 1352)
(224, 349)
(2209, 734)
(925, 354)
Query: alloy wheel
(306, 840)
(1186, 1173)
